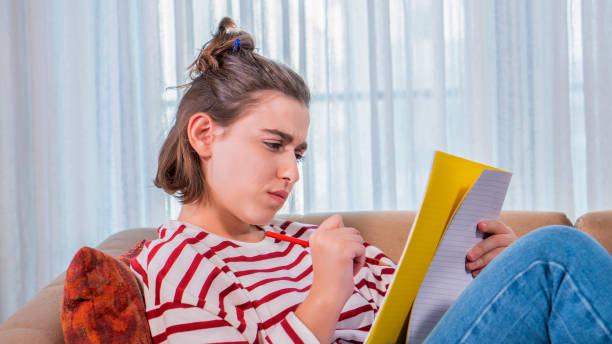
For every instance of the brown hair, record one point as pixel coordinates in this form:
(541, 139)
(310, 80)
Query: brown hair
(226, 80)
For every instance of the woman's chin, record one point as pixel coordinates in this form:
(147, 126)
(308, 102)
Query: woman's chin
(263, 218)
(265, 221)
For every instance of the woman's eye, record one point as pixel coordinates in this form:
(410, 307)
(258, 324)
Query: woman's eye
(274, 145)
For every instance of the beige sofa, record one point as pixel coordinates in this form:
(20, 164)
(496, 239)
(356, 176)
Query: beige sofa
(38, 321)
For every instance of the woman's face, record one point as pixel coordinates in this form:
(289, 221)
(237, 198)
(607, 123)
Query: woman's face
(253, 165)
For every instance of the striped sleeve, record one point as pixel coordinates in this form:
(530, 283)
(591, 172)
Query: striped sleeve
(373, 280)
(291, 330)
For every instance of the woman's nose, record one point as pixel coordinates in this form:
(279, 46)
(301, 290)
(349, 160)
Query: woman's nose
(288, 170)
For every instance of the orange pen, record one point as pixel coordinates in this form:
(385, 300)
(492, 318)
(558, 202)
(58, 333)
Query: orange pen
(305, 244)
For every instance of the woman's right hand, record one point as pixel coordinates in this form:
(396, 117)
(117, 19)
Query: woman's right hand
(337, 255)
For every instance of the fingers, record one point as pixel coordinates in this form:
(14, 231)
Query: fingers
(476, 272)
(494, 227)
(359, 261)
(484, 252)
(489, 244)
(345, 241)
(483, 261)
(336, 235)
(332, 234)
(334, 221)
(501, 236)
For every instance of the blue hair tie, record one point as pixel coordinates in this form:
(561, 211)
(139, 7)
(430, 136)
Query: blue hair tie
(236, 45)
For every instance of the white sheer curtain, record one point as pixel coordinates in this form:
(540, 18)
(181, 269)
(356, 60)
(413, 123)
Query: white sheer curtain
(597, 76)
(81, 124)
(523, 85)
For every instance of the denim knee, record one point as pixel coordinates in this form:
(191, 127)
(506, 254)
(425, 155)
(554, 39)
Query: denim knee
(555, 233)
(559, 243)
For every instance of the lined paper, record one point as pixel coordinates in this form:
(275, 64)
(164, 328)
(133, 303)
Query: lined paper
(447, 276)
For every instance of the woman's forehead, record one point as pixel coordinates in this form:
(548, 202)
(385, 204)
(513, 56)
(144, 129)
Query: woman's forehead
(278, 114)
(286, 137)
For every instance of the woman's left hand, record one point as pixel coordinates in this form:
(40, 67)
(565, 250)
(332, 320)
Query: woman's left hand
(500, 236)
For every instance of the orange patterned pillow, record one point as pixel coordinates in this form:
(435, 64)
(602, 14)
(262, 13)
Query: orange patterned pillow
(102, 300)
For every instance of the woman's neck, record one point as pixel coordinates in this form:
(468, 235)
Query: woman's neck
(220, 223)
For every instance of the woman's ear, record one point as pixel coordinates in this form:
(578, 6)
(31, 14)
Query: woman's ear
(201, 133)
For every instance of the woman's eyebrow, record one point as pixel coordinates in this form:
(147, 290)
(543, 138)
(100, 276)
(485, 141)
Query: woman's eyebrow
(285, 137)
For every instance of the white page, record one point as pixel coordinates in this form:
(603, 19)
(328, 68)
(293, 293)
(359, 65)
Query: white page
(447, 276)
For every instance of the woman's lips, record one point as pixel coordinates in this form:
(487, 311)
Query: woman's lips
(279, 196)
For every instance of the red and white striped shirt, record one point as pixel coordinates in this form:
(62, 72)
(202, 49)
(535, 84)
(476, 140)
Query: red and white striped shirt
(203, 288)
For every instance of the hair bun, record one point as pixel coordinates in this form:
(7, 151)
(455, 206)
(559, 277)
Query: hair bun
(228, 26)
(223, 41)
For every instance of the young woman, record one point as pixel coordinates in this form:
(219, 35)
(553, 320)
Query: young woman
(214, 276)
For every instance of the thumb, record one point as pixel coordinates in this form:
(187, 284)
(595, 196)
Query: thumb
(334, 221)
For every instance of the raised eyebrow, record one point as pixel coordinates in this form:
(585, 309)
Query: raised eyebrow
(286, 137)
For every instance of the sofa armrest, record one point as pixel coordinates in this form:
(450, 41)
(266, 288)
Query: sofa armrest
(38, 320)
(598, 225)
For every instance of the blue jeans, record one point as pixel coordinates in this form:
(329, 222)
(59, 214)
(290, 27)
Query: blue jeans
(552, 285)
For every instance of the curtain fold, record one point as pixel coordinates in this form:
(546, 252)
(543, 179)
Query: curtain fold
(81, 128)
(88, 96)
(597, 54)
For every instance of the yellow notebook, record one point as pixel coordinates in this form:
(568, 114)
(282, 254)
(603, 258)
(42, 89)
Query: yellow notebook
(450, 181)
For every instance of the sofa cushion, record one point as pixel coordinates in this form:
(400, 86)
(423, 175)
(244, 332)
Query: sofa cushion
(102, 300)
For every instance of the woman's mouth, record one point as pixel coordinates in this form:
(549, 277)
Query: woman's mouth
(279, 196)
